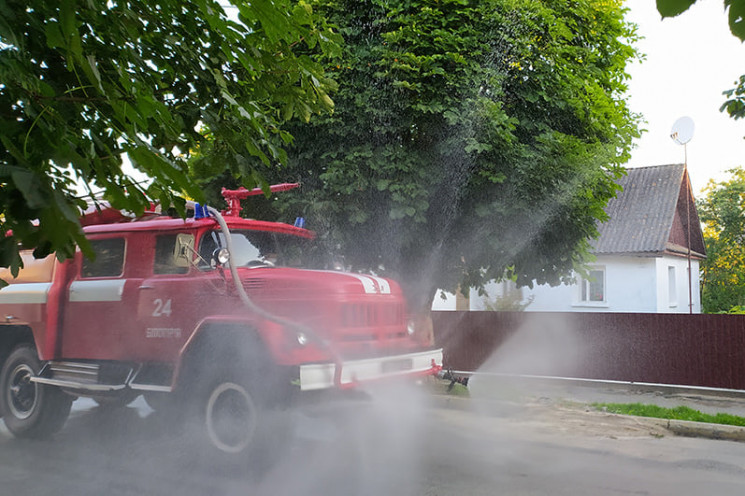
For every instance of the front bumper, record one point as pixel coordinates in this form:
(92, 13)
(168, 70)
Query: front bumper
(350, 373)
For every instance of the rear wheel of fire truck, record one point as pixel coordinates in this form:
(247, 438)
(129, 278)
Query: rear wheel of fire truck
(30, 409)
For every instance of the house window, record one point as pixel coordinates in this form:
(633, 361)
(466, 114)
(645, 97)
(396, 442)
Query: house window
(672, 286)
(592, 287)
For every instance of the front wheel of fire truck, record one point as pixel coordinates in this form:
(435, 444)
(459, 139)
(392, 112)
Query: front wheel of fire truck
(30, 409)
(242, 430)
(230, 416)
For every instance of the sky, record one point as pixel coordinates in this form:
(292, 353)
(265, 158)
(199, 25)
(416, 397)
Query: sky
(690, 60)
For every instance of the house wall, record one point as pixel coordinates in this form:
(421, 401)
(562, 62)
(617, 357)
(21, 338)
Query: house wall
(443, 301)
(632, 284)
(677, 302)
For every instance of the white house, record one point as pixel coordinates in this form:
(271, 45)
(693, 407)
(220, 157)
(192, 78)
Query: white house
(642, 256)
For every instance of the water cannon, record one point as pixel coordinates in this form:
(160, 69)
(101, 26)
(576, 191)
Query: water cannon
(233, 197)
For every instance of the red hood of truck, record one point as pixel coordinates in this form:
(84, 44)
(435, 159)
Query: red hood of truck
(362, 315)
(269, 279)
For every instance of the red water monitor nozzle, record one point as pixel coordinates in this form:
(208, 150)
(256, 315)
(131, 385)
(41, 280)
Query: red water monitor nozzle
(234, 196)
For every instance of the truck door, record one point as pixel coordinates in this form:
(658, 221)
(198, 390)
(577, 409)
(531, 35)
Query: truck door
(172, 300)
(101, 301)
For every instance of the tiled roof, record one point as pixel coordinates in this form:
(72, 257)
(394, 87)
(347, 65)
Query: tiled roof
(641, 216)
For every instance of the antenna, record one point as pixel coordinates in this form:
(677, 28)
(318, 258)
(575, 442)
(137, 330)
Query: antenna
(681, 133)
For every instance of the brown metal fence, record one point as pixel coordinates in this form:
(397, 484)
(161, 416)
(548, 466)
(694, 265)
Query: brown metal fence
(693, 350)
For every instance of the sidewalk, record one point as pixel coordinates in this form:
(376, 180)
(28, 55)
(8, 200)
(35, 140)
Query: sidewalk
(501, 394)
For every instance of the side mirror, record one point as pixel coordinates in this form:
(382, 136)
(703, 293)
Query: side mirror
(183, 250)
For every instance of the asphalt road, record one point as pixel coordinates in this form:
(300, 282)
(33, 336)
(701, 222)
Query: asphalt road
(396, 443)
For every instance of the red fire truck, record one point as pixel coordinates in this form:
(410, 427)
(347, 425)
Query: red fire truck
(218, 313)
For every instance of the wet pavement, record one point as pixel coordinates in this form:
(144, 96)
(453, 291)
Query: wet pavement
(506, 438)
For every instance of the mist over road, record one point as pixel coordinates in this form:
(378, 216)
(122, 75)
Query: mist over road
(397, 442)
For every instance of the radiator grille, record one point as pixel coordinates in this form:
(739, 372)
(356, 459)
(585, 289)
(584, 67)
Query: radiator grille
(372, 314)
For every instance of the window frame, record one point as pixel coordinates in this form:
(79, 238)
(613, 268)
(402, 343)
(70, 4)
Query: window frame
(584, 294)
(672, 287)
(85, 260)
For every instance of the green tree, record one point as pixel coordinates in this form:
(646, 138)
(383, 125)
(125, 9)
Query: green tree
(470, 140)
(85, 82)
(722, 211)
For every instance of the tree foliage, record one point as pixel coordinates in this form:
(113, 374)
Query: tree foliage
(84, 82)
(722, 211)
(470, 140)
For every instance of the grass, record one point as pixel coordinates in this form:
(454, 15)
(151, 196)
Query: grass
(457, 390)
(677, 413)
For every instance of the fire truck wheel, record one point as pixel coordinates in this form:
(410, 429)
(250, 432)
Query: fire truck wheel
(30, 410)
(245, 434)
(230, 416)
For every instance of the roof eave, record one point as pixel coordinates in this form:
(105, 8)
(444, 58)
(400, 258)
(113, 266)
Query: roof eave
(678, 250)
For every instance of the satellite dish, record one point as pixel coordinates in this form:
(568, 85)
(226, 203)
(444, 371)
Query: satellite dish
(682, 131)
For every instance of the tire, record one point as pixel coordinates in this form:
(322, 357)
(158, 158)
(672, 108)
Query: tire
(227, 391)
(30, 410)
(238, 432)
(230, 415)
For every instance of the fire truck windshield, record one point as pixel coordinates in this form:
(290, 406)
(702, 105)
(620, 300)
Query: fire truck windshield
(258, 249)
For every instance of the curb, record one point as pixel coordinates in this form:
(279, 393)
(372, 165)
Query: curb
(689, 428)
